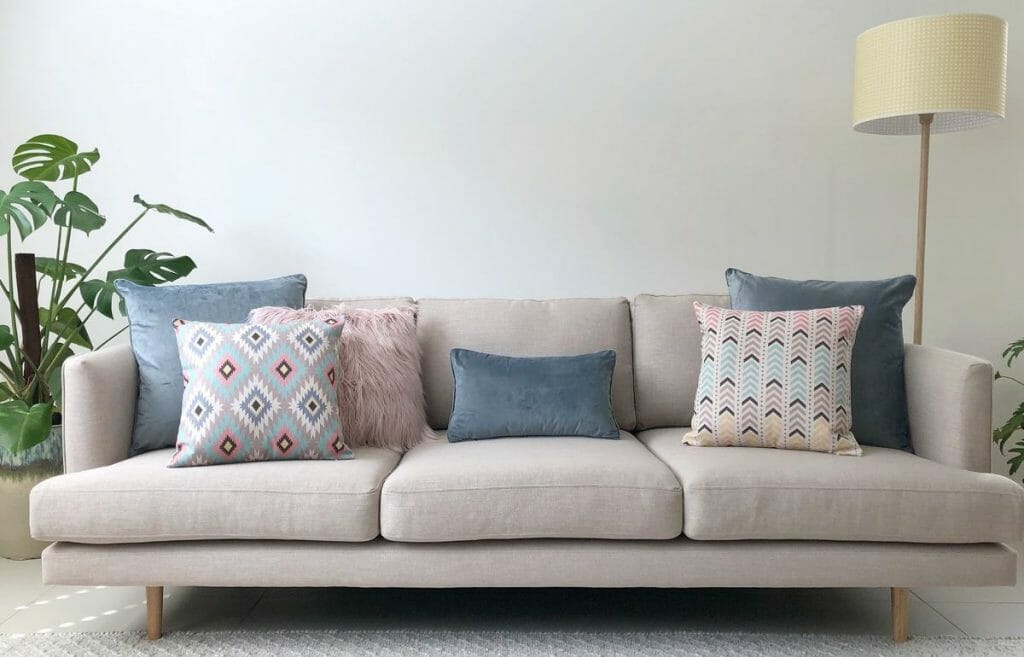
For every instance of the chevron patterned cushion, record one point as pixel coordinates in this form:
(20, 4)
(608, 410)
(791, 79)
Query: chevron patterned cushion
(775, 379)
(259, 392)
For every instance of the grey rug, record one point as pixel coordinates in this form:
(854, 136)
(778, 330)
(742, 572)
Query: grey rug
(499, 644)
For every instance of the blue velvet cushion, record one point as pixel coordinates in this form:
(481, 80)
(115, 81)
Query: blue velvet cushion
(150, 313)
(878, 387)
(502, 396)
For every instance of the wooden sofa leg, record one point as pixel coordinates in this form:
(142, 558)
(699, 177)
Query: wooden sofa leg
(155, 612)
(900, 614)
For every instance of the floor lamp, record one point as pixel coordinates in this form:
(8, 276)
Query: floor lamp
(924, 75)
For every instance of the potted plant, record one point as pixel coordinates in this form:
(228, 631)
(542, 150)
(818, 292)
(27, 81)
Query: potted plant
(48, 301)
(1002, 435)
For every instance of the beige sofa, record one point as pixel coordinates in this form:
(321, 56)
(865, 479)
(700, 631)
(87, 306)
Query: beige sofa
(643, 511)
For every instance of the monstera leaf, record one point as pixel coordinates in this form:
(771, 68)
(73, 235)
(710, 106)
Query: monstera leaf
(1002, 434)
(148, 267)
(27, 206)
(52, 157)
(58, 270)
(23, 426)
(53, 382)
(1012, 352)
(54, 360)
(166, 209)
(142, 266)
(67, 324)
(1017, 460)
(6, 337)
(78, 211)
(99, 295)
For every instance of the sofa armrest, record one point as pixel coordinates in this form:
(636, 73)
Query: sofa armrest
(949, 399)
(99, 389)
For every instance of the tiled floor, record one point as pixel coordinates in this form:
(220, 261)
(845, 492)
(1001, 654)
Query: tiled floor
(27, 606)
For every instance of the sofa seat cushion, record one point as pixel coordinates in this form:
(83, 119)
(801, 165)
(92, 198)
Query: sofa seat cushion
(736, 493)
(530, 487)
(142, 500)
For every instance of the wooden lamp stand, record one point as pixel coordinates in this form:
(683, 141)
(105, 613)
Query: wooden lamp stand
(922, 221)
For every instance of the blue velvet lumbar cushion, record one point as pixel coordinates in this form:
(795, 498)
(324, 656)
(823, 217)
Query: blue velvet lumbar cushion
(151, 311)
(502, 396)
(877, 381)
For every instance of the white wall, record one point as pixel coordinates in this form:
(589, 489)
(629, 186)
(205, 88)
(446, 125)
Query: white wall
(522, 148)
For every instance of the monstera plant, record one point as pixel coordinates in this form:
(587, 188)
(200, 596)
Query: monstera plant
(1002, 435)
(49, 297)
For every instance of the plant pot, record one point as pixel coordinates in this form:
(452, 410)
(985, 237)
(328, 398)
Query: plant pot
(18, 474)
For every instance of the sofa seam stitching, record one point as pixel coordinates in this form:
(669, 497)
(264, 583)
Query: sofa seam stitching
(532, 487)
(855, 490)
(222, 490)
(871, 538)
(518, 537)
(141, 539)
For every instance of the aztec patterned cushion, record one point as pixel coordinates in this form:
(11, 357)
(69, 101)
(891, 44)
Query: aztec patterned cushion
(151, 311)
(775, 379)
(259, 392)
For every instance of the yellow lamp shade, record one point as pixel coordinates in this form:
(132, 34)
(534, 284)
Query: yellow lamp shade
(952, 66)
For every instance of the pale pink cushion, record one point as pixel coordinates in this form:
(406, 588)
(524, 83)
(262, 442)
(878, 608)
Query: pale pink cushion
(380, 392)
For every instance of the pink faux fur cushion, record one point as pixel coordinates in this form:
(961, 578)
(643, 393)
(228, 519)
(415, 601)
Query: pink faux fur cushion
(380, 393)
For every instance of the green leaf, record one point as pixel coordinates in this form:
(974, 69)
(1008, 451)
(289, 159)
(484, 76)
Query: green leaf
(148, 267)
(99, 296)
(27, 205)
(52, 157)
(1013, 351)
(56, 269)
(22, 426)
(1016, 461)
(1001, 435)
(142, 266)
(53, 380)
(67, 324)
(166, 209)
(78, 211)
(6, 337)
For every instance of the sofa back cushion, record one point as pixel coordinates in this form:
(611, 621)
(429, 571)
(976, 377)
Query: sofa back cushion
(879, 386)
(150, 312)
(666, 352)
(519, 327)
(368, 303)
